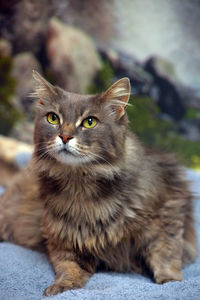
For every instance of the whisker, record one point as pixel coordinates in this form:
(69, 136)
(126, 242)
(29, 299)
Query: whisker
(81, 150)
(94, 156)
(112, 167)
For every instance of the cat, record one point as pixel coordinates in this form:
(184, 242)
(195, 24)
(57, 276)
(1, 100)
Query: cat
(95, 196)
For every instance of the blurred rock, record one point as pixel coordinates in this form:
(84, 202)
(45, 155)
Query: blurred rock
(190, 96)
(24, 23)
(190, 129)
(157, 79)
(10, 148)
(93, 16)
(13, 156)
(163, 89)
(5, 47)
(73, 57)
(138, 28)
(7, 6)
(127, 65)
(163, 68)
(111, 55)
(23, 64)
(30, 24)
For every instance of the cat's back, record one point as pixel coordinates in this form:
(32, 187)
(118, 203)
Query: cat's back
(168, 167)
(155, 174)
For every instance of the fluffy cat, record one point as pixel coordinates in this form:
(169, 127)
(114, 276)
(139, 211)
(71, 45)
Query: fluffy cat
(95, 196)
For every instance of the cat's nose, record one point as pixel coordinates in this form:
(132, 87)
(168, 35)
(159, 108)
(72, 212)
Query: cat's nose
(65, 138)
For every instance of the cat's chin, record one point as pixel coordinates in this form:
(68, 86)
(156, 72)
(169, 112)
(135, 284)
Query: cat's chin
(69, 158)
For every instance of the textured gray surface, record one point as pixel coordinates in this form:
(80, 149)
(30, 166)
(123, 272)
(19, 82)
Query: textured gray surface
(25, 273)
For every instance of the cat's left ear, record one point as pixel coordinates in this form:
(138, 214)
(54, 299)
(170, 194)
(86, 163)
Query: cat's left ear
(117, 96)
(44, 91)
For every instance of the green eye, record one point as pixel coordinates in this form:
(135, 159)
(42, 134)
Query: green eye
(89, 122)
(53, 119)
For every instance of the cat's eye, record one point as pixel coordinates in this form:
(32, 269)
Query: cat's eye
(90, 122)
(53, 119)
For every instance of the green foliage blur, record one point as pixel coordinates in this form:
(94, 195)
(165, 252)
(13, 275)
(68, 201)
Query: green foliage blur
(103, 79)
(191, 114)
(9, 115)
(145, 123)
(160, 134)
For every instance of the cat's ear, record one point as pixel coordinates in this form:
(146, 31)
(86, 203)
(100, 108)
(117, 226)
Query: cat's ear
(44, 91)
(117, 96)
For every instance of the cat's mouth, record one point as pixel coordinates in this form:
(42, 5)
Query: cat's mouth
(71, 156)
(69, 153)
(66, 151)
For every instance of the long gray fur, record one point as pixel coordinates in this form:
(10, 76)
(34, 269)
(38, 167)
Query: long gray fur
(25, 273)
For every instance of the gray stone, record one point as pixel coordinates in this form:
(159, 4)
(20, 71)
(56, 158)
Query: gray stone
(190, 129)
(23, 64)
(30, 24)
(5, 47)
(73, 57)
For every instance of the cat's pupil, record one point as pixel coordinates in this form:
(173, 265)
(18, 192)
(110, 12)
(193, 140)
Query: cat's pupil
(54, 117)
(90, 121)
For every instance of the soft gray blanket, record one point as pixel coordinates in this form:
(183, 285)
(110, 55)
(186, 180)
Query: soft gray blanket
(25, 273)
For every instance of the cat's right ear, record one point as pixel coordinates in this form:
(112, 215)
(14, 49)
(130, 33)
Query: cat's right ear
(44, 91)
(117, 97)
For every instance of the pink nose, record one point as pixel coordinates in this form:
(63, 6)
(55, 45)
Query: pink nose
(65, 138)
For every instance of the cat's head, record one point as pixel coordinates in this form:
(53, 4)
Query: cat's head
(80, 129)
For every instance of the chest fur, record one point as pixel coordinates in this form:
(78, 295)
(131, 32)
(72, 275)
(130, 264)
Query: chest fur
(86, 214)
(85, 226)
(82, 214)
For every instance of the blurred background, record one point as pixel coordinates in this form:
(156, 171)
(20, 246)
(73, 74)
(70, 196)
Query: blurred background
(84, 46)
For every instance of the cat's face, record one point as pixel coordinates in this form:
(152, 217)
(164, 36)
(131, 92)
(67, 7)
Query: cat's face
(77, 129)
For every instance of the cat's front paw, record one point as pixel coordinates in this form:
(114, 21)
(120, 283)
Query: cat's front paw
(168, 276)
(53, 290)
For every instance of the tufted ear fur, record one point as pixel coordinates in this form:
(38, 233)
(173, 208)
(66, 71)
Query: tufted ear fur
(117, 96)
(44, 91)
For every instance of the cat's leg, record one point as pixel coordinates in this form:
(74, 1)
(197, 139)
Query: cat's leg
(21, 224)
(190, 250)
(71, 272)
(20, 214)
(163, 254)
